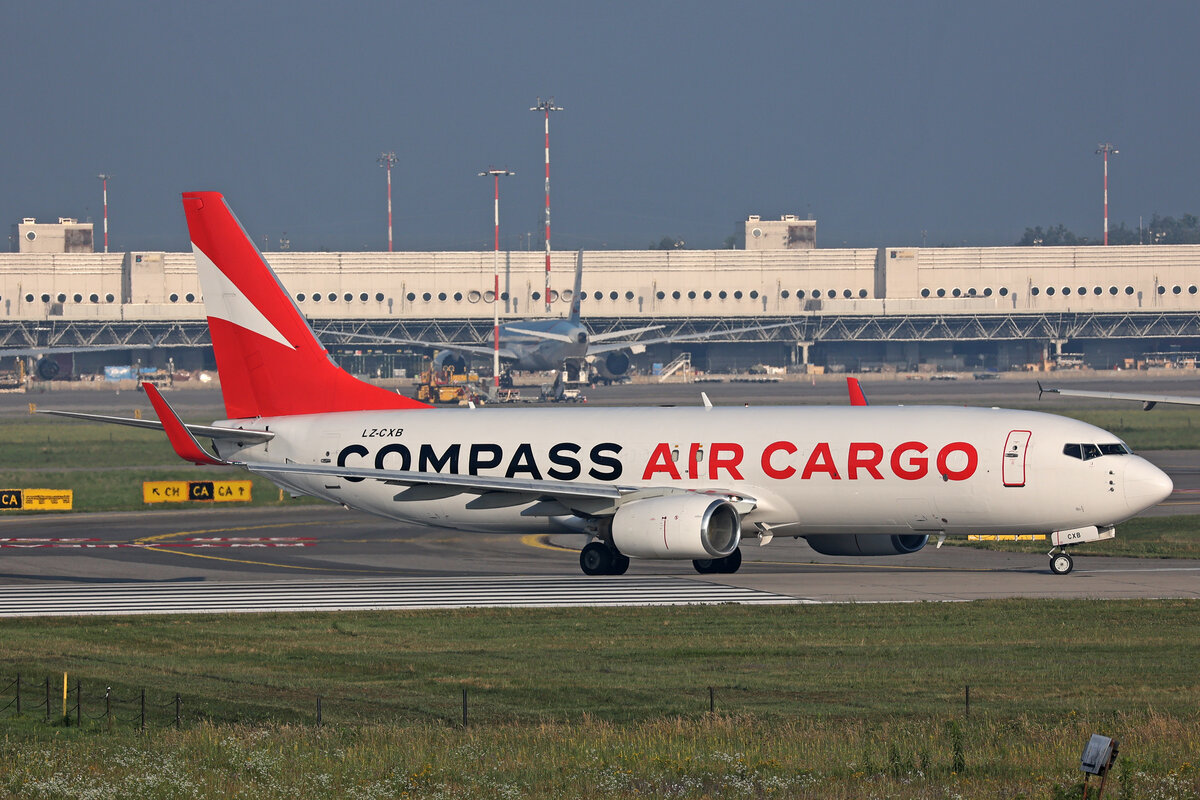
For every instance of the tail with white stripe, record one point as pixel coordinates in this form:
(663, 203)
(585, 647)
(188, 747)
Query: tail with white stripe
(269, 360)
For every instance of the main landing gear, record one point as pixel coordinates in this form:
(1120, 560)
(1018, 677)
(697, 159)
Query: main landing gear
(598, 558)
(719, 566)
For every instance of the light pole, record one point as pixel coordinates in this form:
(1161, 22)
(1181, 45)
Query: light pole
(495, 175)
(547, 106)
(387, 161)
(1104, 150)
(103, 176)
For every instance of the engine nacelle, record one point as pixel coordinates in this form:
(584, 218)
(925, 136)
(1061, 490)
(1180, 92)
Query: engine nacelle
(683, 526)
(612, 365)
(449, 358)
(48, 368)
(866, 544)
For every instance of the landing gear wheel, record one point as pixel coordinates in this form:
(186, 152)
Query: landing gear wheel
(597, 559)
(719, 566)
(731, 562)
(1061, 564)
(620, 564)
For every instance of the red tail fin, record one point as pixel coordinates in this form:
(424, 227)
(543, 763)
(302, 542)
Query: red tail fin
(270, 362)
(857, 398)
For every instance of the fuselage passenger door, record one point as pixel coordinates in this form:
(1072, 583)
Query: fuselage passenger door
(1014, 458)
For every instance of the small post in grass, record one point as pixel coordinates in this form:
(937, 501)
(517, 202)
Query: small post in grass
(47, 698)
(78, 702)
(464, 724)
(318, 711)
(177, 711)
(142, 718)
(18, 694)
(968, 701)
(712, 701)
(108, 707)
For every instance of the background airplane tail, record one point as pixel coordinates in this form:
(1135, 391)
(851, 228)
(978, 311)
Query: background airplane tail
(576, 298)
(270, 362)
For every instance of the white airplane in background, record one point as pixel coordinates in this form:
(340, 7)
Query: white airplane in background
(549, 344)
(654, 483)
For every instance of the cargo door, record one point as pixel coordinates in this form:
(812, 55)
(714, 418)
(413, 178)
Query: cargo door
(1014, 458)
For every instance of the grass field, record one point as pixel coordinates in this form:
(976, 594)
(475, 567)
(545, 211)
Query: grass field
(811, 701)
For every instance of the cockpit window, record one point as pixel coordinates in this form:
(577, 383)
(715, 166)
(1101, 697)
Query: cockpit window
(1086, 452)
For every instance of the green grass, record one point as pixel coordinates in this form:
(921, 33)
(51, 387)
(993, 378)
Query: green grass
(812, 701)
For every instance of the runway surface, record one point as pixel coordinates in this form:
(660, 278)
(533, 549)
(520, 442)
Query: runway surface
(320, 556)
(325, 557)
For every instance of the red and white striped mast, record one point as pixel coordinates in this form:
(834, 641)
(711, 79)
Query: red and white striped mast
(1104, 150)
(104, 183)
(547, 106)
(387, 161)
(495, 175)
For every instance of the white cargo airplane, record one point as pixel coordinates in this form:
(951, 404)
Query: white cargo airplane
(655, 483)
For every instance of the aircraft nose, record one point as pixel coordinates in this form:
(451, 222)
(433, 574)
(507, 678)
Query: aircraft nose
(1145, 485)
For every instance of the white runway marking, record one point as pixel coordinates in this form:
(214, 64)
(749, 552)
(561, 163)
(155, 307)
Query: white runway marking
(354, 595)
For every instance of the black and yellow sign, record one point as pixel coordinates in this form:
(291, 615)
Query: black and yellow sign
(192, 491)
(36, 499)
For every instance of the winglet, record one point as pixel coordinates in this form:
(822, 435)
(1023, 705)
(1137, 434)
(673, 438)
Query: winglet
(186, 446)
(857, 398)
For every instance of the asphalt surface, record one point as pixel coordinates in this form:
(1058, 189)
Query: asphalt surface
(215, 545)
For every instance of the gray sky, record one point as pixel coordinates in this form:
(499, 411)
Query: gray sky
(969, 121)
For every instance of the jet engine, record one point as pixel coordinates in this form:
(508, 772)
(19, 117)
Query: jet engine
(682, 526)
(866, 544)
(449, 358)
(611, 366)
(48, 368)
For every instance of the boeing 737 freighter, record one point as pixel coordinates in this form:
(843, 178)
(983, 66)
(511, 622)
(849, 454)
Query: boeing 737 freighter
(652, 483)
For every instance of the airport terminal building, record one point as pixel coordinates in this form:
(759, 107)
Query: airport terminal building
(863, 308)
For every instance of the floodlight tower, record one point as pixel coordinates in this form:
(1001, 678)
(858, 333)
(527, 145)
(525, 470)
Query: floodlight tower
(1104, 150)
(103, 176)
(495, 175)
(547, 106)
(387, 161)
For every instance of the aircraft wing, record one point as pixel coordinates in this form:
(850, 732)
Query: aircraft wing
(207, 431)
(603, 337)
(78, 348)
(687, 337)
(1148, 401)
(505, 353)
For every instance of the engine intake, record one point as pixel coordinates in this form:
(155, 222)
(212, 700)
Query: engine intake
(677, 526)
(866, 544)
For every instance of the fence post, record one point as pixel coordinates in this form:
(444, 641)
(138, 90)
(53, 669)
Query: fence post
(78, 702)
(968, 701)
(18, 694)
(142, 724)
(464, 706)
(108, 707)
(712, 701)
(47, 698)
(318, 711)
(177, 711)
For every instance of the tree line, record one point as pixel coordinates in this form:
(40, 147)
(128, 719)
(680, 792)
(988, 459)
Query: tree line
(1161, 230)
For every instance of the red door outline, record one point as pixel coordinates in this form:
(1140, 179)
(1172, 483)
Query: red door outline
(1015, 448)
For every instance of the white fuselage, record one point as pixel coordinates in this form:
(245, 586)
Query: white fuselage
(810, 470)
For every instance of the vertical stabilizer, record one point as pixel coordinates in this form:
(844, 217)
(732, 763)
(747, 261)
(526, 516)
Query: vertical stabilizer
(269, 360)
(576, 297)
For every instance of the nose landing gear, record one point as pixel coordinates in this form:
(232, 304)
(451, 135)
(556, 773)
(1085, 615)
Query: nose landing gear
(1060, 562)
